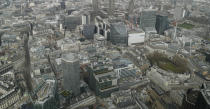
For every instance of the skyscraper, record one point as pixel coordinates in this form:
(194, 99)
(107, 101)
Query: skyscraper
(27, 72)
(148, 19)
(118, 34)
(71, 73)
(161, 23)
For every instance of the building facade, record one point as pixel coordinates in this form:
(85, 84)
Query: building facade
(71, 73)
(161, 23)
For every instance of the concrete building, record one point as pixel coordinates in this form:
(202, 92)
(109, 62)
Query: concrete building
(71, 73)
(167, 80)
(136, 38)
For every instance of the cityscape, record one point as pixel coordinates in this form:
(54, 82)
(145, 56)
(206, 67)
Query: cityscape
(104, 54)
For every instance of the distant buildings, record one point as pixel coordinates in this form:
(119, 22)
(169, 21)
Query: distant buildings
(118, 34)
(71, 73)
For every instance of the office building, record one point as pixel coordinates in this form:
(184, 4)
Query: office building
(71, 22)
(103, 81)
(148, 19)
(118, 34)
(71, 73)
(162, 23)
(88, 31)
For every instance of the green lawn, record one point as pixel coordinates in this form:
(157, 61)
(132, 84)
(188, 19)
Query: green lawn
(171, 67)
(167, 64)
(187, 25)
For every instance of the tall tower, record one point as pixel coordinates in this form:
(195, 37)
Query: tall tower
(111, 7)
(27, 72)
(71, 73)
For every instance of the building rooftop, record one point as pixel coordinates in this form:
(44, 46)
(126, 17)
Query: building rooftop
(70, 57)
(206, 92)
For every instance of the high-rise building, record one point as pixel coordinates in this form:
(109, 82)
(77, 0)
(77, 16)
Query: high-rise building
(161, 23)
(88, 31)
(148, 19)
(27, 72)
(118, 34)
(71, 73)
